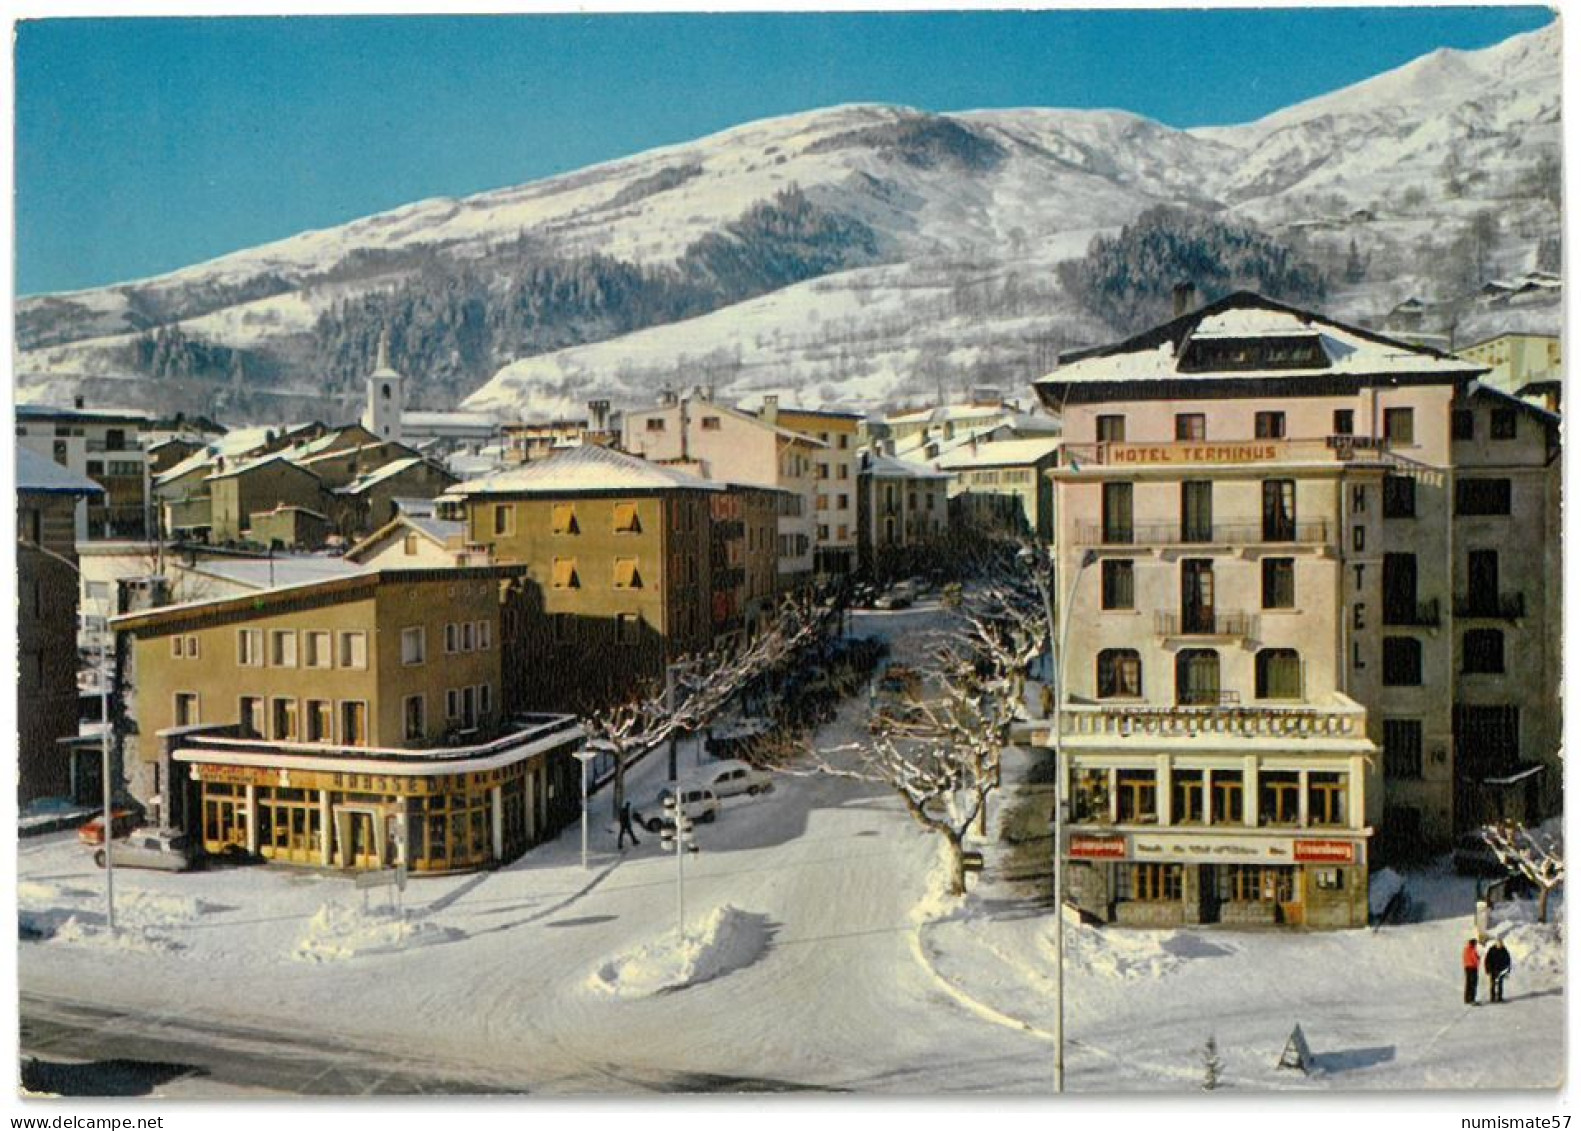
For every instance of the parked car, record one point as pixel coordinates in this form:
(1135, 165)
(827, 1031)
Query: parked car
(168, 850)
(731, 778)
(697, 802)
(122, 821)
(894, 598)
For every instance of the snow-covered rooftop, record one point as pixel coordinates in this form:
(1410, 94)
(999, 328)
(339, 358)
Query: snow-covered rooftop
(1001, 453)
(585, 468)
(892, 467)
(35, 473)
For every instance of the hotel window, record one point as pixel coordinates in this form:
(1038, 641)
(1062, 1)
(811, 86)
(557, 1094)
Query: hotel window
(413, 710)
(468, 636)
(354, 723)
(1399, 496)
(1279, 510)
(1117, 513)
(627, 577)
(1399, 589)
(1279, 583)
(285, 721)
(1191, 426)
(1402, 661)
(504, 519)
(1462, 424)
(626, 520)
(1227, 798)
(1344, 422)
(1119, 674)
(563, 519)
(320, 720)
(1189, 798)
(1197, 596)
(1269, 426)
(414, 645)
(317, 647)
(1111, 429)
(565, 574)
(354, 649)
(1501, 424)
(1278, 673)
(250, 716)
(249, 647)
(485, 635)
(1119, 584)
(1151, 883)
(1138, 795)
(1197, 677)
(187, 713)
(1402, 748)
(1482, 651)
(1326, 799)
(626, 628)
(1482, 496)
(1482, 582)
(1196, 510)
(1399, 425)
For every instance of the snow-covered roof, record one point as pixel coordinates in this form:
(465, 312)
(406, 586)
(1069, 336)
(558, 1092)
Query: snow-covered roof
(437, 530)
(379, 475)
(1001, 453)
(585, 468)
(890, 467)
(93, 415)
(278, 572)
(1156, 355)
(262, 461)
(38, 474)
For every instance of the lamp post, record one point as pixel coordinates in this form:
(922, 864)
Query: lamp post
(1058, 623)
(584, 756)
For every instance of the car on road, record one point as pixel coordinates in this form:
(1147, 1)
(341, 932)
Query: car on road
(166, 850)
(122, 822)
(894, 598)
(696, 802)
(731, 778)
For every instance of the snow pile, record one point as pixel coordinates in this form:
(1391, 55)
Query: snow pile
(724, 940)
(1534, 947)
(143, 918)
(1130, 953)
(337, 933)
(85, 931)
(1382, 887)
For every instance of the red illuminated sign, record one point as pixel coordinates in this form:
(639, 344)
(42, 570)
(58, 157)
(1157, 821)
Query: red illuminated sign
(1325, 851)
(1097, 847)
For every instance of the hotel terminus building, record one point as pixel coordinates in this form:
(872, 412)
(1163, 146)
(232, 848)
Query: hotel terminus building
(1314, 617)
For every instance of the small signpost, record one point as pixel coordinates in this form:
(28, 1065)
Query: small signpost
(1297, 1055)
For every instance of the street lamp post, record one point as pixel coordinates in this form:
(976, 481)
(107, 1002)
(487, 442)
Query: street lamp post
(584, 756)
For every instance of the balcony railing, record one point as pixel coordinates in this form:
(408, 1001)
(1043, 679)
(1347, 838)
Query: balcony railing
(1411, 614)
(1205, 624)
(1221, 534)
(1491, 606)
(1220, 453)
(1343, 720)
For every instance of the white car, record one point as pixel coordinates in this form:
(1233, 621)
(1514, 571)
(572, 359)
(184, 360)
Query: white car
(731, 778)
(697, 802)
(167, 850)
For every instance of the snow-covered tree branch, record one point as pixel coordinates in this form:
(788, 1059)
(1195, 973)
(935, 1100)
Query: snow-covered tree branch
(1536, 854)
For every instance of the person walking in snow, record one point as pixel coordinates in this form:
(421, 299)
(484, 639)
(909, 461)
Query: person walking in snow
(626, 829)
(1497, 963)
(1471, 962)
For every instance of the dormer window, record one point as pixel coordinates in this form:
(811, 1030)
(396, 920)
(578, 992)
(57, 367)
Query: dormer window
(1297, 351)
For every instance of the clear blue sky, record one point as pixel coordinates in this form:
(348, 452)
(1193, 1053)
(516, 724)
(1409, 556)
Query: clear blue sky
(146, 145)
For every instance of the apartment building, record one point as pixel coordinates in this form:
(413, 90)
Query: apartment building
(1527, 365)
(835, 468)
(1257, 527)
(902, 509)
(725, 445)
(356, 723)
(104, 445)
(47, 498)
(1005, 482)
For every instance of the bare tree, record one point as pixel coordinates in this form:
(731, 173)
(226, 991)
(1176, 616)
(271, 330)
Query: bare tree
(1538, 855)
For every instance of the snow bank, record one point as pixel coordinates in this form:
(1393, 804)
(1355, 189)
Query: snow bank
(1534, 947)
(724, 940)
(57, 913)
(337, 933)
(1130, 953)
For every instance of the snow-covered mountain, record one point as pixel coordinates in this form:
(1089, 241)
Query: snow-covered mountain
(864, 252)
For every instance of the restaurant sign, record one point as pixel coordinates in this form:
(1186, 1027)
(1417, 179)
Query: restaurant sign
(1211, 849)
(1326, 851)
(241, 775)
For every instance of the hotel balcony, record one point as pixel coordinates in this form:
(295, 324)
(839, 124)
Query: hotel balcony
(1411, 614)
(1205, 625)
(1339, 717)
(1243, 533)
(1491, 606)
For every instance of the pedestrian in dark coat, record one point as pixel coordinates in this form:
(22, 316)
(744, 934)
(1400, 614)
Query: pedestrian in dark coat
(1497, 963)
(1471, 962)
(626, 829)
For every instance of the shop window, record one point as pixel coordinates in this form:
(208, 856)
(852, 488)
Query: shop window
(1256, 883)
(414, 645)
(1462, 424)
(565, 576)
(1402, 749)
(317, 648)
(1402, 661)
(1227, 797)
(1117, 513)
(1501, 424)
(1399, 426)
(249, 647)
(563, 519)
(285, 721)
(250, 716)
(1197, 677)
(1119, 674)
(354, 723)
(1326, 797)
(1279, 583)
(1482, 496)
(1138, 795)
(1344, 422)
(1482, 651)
(354, 649)
(1279, 798)
(1119, 584)
(320, 720)
(414, 712)
(1279, 510)
(626, 520)
(1329, 879)
(1111, 429)
(1191, 426)
(1090, 797)
(1269, 426)
(627, 576)
(1151, 883)
(1278, 673)
(1188, 803)
(1196, 510)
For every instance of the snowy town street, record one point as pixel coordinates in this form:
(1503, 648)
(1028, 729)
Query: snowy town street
(822, 956)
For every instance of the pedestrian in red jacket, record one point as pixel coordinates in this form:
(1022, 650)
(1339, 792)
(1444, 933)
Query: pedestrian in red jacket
(1471, 961)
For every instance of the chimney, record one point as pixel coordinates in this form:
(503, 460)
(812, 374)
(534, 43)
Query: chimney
(598, 415)
(771, 407)
(1185, 296)
(708, 393)
(667, 396)
(76, 402)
